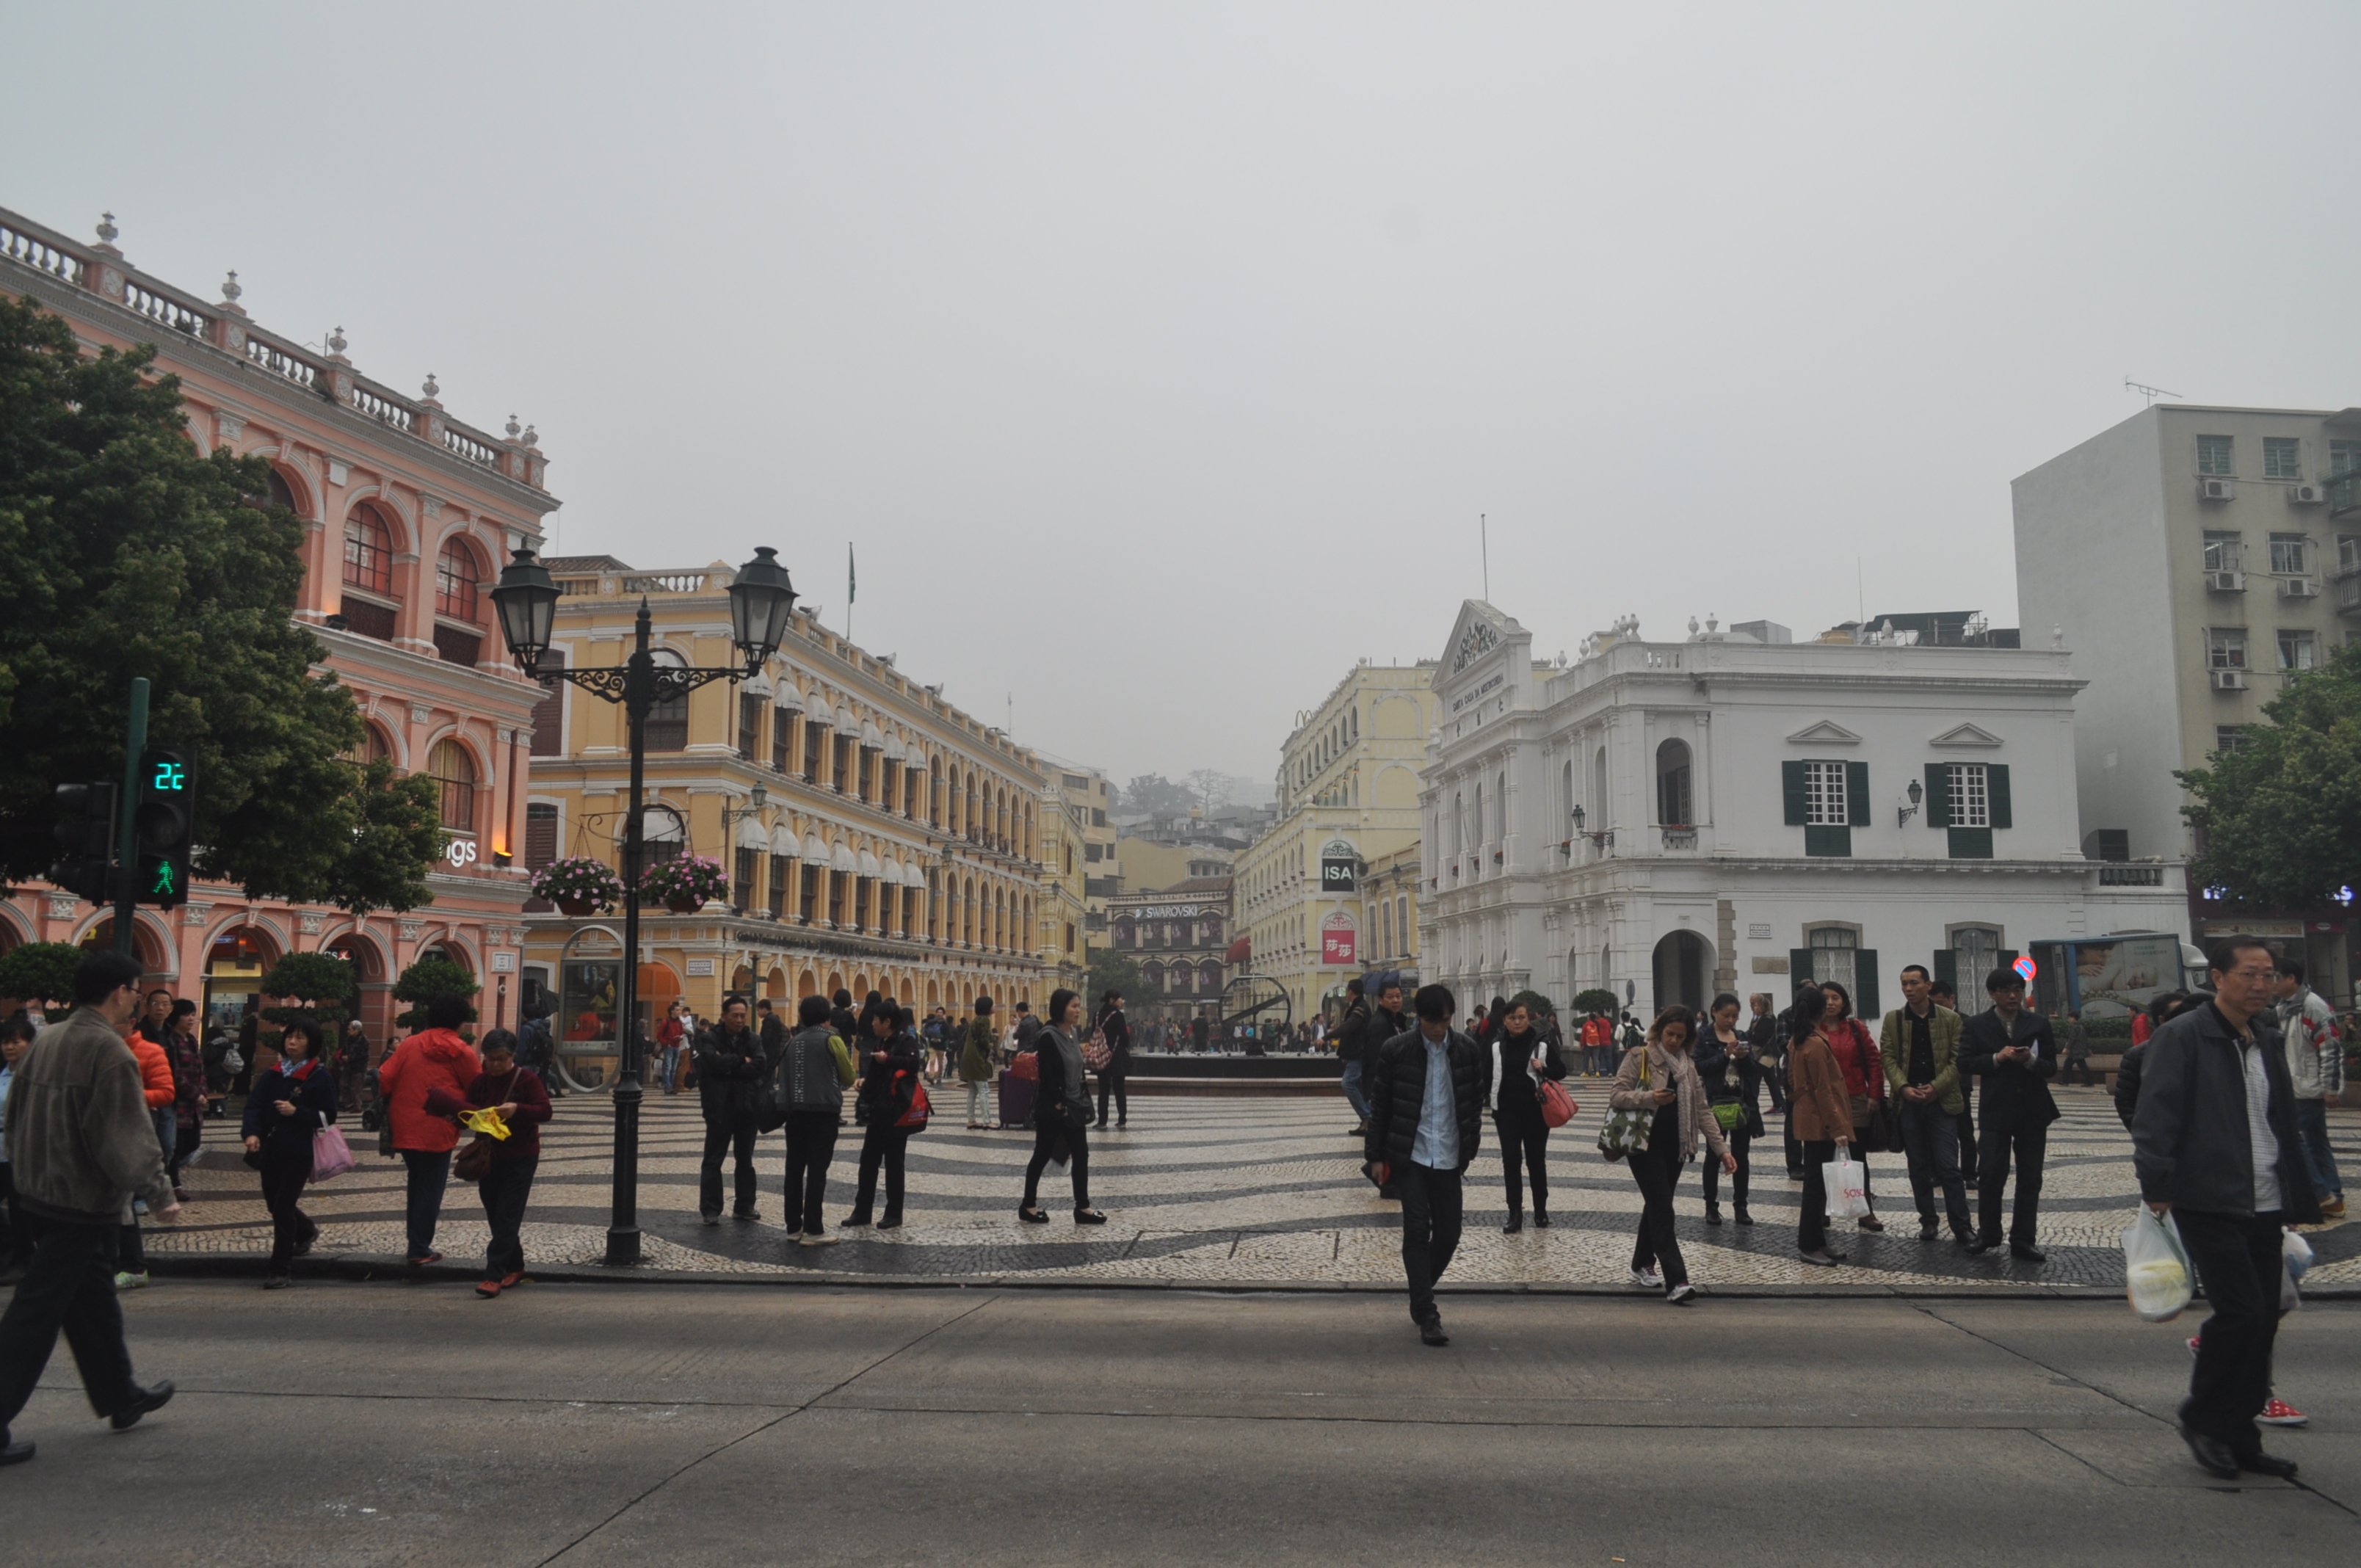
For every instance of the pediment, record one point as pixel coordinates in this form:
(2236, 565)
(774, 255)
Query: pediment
(1827, 732)
(1966, 735)
(1479, 630)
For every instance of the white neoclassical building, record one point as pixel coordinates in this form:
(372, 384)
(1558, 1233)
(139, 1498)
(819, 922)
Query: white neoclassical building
(1672, 820)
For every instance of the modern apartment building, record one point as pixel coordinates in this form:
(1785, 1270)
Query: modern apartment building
(877, 837)
(407, 514)
(2196, 559)
(1349, 784)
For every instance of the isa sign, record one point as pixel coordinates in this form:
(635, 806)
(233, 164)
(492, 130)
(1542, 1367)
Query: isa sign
(1339, 867)
(2024, 968)
(1339, 939)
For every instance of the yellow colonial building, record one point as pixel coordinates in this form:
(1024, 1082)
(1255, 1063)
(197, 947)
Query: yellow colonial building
(876, 836)
(1349, 784)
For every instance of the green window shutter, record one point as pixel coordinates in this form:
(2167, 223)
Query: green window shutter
(1996, 782)
(1857, 793)
(1799, 967)
(1947, 967)
(1791, 785)
(1939, 795)
(1971, 843)
(1829, 843)
(1865, 1004)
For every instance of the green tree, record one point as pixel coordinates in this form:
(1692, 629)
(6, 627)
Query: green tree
(2279, 817)
(38, 972)
(1114, 970)
(321, 984)
(129, 552)
(431, 978)
(1157, 796)
(1534, 1003)
(1598, 1000)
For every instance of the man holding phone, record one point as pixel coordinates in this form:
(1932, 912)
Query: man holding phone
(2018, 1057)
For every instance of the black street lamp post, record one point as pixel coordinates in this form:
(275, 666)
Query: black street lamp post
(761, 599)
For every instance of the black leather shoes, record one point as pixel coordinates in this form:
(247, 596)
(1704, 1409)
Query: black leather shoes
(1516, 1222)
(2212, 1455)
(147, 1400)
(2027, 1254)
(1978, 1247)
(2261, 1463)
(13, 1452)
(1541, 1220)
(1431, 1331)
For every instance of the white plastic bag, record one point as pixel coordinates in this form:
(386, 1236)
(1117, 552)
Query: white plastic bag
(2157, 1276)
(1847, 1181)
(2297, 1253)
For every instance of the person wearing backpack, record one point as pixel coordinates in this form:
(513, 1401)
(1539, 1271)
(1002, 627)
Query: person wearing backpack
(889, 1090)
(815, 1069)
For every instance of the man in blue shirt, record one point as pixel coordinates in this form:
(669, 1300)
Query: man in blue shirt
(1426, 1088)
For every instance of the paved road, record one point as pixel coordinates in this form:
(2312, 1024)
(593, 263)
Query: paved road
(1212, 1191)
(597, 1424)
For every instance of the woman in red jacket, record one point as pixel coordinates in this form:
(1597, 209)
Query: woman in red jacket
(435, 1058)
(523, 1106)
(1864, 1075)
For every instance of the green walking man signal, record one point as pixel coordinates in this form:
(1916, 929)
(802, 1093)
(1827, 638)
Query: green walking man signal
(165, 825)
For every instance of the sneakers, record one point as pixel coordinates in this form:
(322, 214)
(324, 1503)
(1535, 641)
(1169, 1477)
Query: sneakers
(2192, 1344)
(2334, 1209)
(2281, 1414)
(1680, 1295)
(129, 1281)
(1647, 1279)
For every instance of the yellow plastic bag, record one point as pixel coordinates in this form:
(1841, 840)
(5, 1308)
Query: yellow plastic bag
(487, 1121)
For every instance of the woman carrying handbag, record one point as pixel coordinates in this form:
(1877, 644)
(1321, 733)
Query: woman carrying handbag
(1864, 1079)
(1823, 1115)
(1523, 1061)
(1062, 1112)
(1732, 1076)
(1658, 1081)
(286, 1109)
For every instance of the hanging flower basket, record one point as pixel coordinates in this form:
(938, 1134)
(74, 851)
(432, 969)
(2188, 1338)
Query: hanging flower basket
(578, 886)
(685, 884)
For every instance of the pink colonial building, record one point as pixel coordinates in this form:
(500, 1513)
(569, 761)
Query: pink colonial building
(409, 514)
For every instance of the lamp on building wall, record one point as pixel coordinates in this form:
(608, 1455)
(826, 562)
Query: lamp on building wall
(1604, 837)
(1903, 813)
(762, 597)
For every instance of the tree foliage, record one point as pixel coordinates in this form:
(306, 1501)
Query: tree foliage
(129, 552)
(1158, 797)
(317, 979)
(1599, 1001)
(2279, 817)
(1210, 788)
(429, 978)
(1115, 970)
(36, 972)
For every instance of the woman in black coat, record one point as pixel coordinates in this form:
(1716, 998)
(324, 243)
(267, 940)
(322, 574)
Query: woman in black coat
(1731, 1072)
(1062, 1112)
(889, 1086)
(287, 1105)
(1522, 1056)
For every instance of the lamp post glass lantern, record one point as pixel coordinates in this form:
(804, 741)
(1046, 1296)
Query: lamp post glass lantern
(762, 597)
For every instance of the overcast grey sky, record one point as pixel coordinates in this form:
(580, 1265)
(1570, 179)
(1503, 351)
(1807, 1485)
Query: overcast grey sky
(1159, 360)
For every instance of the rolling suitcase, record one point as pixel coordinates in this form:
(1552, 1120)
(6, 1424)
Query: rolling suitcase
(1016, 1100)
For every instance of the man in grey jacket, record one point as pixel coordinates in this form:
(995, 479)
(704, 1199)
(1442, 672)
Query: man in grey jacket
(2315, 1060)
(81, 1145)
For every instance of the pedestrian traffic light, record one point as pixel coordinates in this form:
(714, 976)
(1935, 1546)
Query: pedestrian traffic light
(164, 826)
(85, 831)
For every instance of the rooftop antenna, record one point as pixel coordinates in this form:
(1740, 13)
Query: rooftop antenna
(2150, 393)
(1484, 543)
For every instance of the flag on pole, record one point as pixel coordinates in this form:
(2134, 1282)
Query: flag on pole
(850, 580)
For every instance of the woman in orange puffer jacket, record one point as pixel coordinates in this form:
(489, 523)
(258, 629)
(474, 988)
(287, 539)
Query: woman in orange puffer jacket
(433, 1059)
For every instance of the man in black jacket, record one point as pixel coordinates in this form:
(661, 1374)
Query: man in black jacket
(1426, 1100)
(2214, 1140)
(1116, 1031)
(730, 1066)
(1352, 1032)
(2013, 1051)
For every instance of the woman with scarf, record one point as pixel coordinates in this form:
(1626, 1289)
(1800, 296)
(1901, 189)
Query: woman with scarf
(1061, 1111)
(1659, 1076)
(287, 1105)
(1521, 1058)
(1864, 1075)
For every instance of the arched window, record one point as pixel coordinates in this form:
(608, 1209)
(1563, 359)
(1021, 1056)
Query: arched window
(368, 551)
(372, 747)
(1500, 809)
(1477, 836)
(282, 494)
(1674, 808)
(455, 771)
(1599, 815)
(1458, 824)
(667, 724)
(455, 581)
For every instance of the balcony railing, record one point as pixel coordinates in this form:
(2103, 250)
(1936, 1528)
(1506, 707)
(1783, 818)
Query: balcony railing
(1680, 837)
(2131, 876)
(225, 327)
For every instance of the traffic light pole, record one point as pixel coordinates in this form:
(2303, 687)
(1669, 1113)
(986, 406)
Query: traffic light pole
(127, 838)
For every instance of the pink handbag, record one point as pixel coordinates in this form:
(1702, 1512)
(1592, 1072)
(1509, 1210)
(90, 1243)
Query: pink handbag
(331, 1155)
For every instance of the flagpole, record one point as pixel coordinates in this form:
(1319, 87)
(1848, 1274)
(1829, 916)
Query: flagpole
(850, 582)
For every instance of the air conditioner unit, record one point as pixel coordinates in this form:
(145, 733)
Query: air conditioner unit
(2299, 588)
(2214, 489)
(2227, 582)
(2305, 495)
(2229, 680)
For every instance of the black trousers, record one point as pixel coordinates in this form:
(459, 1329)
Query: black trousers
(2028, 1144)
(1111, 1080)
(504, 1193)
(727, 1131)
(2237, 1257)
(1931, 1141)
(69, 1287)
(15, 1235)
(1430, 1201)
(881, 1145)
(430, 1173)
(1738, 1139)
(1047, 1128)
(1657, 1168)
(811, 1144)
(1812, 1229)
(1524, 1139)
(1967, 1125)
(284, 1172)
